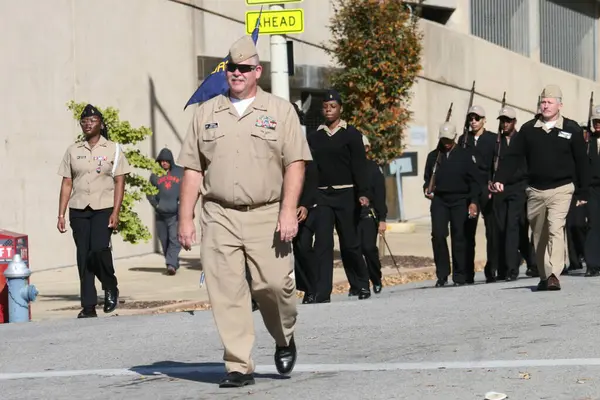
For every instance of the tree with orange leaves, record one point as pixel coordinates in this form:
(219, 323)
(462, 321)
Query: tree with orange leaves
(378, 46)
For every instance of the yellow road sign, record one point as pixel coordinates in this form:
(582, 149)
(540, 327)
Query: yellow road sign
(276, 22)
(258, 2)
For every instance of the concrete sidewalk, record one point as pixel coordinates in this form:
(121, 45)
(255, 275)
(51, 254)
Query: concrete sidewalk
(143, 278)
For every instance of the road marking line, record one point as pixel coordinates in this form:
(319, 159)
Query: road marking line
(361, 367)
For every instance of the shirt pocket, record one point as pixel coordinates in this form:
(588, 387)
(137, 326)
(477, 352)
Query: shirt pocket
(264, 142)
(209, 143)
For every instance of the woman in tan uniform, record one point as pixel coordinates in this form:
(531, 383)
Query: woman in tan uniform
(93, 185)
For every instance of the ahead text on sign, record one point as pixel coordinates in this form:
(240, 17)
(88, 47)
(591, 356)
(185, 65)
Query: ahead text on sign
(276, 22)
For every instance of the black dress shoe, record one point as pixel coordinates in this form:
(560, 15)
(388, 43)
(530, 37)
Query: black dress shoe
(542, 285)
(308, 298)
(111, 300)
(285, 357)
(591, 271)
(441, 282)
(377, 288)
(236, 379)
(87, 313)
(511, 278)
(459, 284)
(491, 279)
(353, 292)
(364, 294)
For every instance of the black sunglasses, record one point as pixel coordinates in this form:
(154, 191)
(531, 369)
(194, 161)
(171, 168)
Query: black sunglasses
(475, 117)
(243, 68)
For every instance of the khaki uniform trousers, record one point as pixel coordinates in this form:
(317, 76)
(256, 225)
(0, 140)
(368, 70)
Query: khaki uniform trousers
(230, 238)
(547, 212)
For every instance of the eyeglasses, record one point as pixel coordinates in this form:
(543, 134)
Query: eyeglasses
(474, 117)
(89, 120)
(243, 68)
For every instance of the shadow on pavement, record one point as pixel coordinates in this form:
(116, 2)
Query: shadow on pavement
(161, 270)
(196, 372)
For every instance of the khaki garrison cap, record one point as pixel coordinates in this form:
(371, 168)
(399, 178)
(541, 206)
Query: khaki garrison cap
(551, 91)
(366, 142)
(596, 112)
(447, 131)
(242, 50)
(477, 110)
(507, 112)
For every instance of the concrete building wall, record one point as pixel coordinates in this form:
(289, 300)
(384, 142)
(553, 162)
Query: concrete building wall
(140, 56)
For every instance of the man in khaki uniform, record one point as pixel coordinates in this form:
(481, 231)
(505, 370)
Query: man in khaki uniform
(93, 186)
(246, 153)
(558, 168)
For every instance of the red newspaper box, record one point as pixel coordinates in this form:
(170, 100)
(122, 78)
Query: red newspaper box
(11, 243)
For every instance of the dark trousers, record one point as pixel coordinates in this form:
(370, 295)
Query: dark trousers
(576, 230)
(487, 212)
(337, 208)
(305, 266)
(94, 256)
(166, 225)
(509, 212)
(526, 242)
(449, 210)
(592, 240)
(367, 233)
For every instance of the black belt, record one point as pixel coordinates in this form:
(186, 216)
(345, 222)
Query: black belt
(236, 207)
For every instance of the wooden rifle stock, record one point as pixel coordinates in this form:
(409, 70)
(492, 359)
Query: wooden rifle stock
(499, 136)
(466, 126)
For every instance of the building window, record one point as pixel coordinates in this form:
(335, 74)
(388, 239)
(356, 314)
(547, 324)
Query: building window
(568, 36)
(505, 23)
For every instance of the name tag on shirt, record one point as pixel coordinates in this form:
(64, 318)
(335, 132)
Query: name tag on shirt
(564, 135)
(212, 125)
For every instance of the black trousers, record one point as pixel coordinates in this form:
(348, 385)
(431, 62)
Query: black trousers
(454, 211)
(367, 233)
(509, 212)
(337, 208)
(94, 256)
(487, 212)
(576, 230)
(526, 242)
(592, 240)
(305, 266)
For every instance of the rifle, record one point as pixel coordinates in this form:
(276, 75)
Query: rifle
(437, 159)
(589, 123)
(466, 126)
(499, 136)
(538, 108)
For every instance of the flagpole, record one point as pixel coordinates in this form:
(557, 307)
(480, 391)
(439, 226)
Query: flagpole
(280, 84)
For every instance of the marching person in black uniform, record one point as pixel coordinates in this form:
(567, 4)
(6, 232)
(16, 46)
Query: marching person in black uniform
(452, 184)
(372, 220)
(592, 242)
(339, 155)
(93, 186)
(482, 143)
(509, 208)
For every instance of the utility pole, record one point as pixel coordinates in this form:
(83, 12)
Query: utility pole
(280, 84)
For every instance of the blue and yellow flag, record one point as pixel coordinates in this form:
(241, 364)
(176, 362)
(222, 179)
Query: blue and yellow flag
(216, 83)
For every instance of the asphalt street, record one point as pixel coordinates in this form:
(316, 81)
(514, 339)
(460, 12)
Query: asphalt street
(410, 342)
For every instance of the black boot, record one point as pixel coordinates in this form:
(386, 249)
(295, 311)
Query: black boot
(111, 300)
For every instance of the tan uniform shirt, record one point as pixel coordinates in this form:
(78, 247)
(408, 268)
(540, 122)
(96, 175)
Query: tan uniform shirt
(243, 159)
(91, 172)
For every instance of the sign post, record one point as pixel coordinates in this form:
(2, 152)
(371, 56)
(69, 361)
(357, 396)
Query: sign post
(277, 22)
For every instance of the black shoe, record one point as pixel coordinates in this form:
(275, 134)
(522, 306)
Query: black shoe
(377, 288)
(542, 285)
(364, 294)
(441, 282)
(565, 271)
(308, 298)
(459, 284)
(87, 313)
(236, 379)
(254, 305)
(353, 292)
(490, 280)
(470, 281)
(532, 272)
(111, 300)
(285, 358)
(591, 271)
(511, 278)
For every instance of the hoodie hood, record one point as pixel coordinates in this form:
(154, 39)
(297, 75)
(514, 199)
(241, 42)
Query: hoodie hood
(166, 155)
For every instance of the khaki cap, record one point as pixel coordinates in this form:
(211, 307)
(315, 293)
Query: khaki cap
(595, 112)
(447, 131)
(507, 112)
(477, 110)
(242, 50)
(366, 142)
(551, 91)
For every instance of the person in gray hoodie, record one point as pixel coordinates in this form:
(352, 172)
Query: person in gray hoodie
(166, 206)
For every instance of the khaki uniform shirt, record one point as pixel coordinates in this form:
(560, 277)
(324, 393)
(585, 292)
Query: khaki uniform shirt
(243, 158)
(91, 172)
